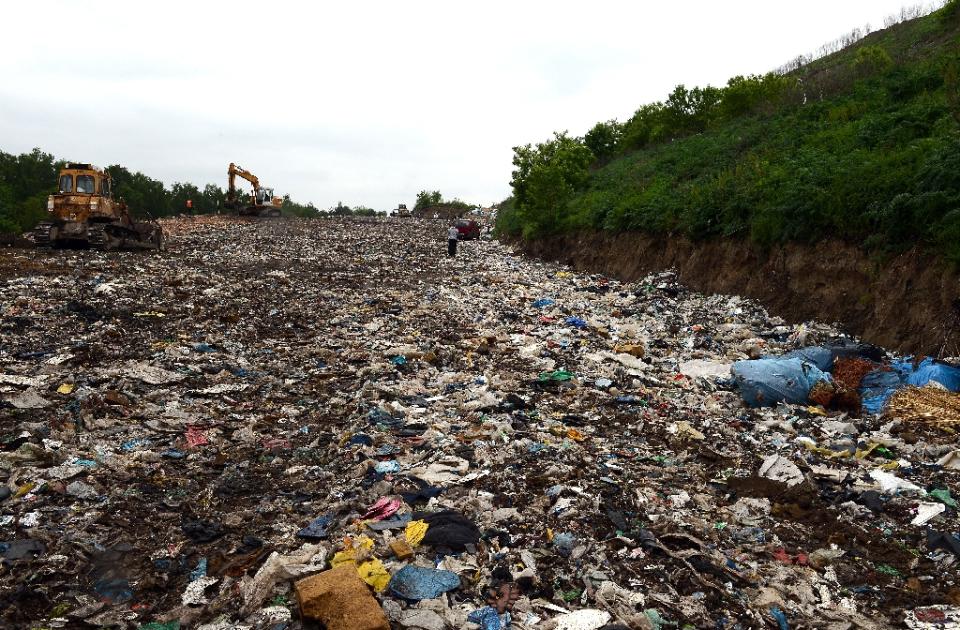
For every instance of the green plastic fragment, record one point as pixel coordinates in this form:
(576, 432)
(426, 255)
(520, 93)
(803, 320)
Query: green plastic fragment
(886, 569)
(569, 596)
(556, 376)
(943, 496)
(884, 452)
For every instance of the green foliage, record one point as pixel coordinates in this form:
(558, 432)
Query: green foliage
(25, 182)
(431, 199)
(863, 145)
(343, 210)
(426, 198)
(871, 59)
(604, 138)
(146, 197)
(9, 221)
(291, 208)
(546, 178)
(747, 95)
(950, 13)
(951, 84)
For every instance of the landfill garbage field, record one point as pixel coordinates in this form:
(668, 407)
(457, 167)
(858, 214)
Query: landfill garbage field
(330, 423)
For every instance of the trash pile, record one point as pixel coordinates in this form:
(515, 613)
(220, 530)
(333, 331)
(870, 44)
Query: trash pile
(306, 424)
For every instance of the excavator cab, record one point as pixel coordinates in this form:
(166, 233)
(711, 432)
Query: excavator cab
(83, 213)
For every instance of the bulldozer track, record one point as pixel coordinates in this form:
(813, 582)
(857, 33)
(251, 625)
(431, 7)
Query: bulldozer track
(97, 236)
(41, 234)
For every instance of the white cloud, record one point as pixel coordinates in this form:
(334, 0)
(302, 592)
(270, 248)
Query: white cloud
(368, 102)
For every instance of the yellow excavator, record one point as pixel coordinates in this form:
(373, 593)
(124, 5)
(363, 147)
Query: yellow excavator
(261, 203)
(83, 213)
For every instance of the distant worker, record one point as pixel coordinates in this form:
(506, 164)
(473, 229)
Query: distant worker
(189, 206)
(453, 235)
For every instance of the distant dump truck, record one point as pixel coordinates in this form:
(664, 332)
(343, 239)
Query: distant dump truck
(402, 211)
(84, 214)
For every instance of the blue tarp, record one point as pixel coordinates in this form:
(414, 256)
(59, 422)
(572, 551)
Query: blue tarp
(766, 382)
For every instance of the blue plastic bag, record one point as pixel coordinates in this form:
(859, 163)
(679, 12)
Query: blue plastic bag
(317, 528)
(930, 370)
(824, 356)
(488, 619)
(766, 382)
(877, 387)
(818, 355)
(415, 583)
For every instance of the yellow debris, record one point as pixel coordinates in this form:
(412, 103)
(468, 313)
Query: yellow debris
(66, 388)
(353, 551)
(24, 489)
(863, 452)
(415, 532)
(375, 574)
(575, 435)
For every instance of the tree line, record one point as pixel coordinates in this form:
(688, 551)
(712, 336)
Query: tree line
(433, 198)
(26, 180)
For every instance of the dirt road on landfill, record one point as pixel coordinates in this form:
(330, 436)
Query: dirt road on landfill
(172, 422)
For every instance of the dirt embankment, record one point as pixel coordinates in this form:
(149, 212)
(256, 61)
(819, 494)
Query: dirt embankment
(909, 303)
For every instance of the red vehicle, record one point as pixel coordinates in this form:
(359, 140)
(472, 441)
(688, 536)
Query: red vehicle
(468, 229)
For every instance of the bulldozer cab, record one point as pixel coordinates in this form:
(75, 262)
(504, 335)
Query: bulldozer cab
(84, 193)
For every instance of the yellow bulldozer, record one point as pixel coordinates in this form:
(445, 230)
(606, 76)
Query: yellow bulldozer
(84, 214)
(261, 203)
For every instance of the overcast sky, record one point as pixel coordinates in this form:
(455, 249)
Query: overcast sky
(369, 102)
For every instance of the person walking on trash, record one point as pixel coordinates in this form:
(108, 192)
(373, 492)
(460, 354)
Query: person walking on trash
(453, 235)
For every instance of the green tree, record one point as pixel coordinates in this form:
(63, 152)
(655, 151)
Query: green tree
(604, 138)
(545, 179)
(871, 60)
(180, 193)
(9, 221)
(426, 199)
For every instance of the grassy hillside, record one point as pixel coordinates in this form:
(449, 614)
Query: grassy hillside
(863, 144)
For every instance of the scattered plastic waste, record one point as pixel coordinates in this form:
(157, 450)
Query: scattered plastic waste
(332, 424)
